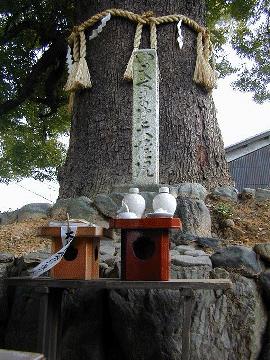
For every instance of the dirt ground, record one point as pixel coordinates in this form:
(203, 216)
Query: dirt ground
(243, 223)
(23, 237)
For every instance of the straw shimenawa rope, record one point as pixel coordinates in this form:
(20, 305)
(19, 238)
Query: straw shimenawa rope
(204, 74)
(137, 41)
(79, 77)
(70, 85)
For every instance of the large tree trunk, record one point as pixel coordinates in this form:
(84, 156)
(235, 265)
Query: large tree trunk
(191, 147)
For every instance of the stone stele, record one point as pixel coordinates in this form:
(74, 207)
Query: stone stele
(145, 134)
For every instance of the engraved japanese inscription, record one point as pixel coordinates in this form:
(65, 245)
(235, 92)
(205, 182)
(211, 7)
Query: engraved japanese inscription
(145, 135)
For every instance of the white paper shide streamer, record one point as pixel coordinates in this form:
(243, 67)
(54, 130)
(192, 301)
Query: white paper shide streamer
(69, 60)
(180, 38)
(67, 235)
(97, 31)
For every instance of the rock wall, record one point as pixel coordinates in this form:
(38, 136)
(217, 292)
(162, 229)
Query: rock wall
(147, 325)
(142, 325)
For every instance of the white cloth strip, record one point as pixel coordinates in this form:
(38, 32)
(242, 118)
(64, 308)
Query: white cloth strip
(49, 263)
(69, 59)
(180, 38)
(99, 29)
(65, 232)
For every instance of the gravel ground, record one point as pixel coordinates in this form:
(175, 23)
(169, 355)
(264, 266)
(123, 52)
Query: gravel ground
(251, 225)
(251, 220)
(22, 238)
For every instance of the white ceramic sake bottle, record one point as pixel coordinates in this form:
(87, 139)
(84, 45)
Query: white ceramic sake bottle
(135, 202)
(164, 201)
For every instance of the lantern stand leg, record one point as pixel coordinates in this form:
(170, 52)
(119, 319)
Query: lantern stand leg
(49, 322)
(188, 307)
(43, 293)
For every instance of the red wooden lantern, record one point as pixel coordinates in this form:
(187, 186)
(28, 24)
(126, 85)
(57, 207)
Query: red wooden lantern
(81, 260)
(145, 247)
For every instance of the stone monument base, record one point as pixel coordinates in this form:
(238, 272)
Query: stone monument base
(123, 188)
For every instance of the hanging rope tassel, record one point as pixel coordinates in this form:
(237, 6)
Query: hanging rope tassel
(82, 78)
(204, 74)
(79, 76)
(70, 84)
(128, 75)
(153, 36)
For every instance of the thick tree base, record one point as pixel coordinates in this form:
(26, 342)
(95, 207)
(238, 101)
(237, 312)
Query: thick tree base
(191, 147)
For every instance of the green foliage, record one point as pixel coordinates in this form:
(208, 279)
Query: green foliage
(33, 105)
(244, 25)
(31, 148)
(223, 211)
(33, 71)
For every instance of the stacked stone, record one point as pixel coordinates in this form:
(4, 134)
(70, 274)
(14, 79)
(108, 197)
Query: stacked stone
(224, 325)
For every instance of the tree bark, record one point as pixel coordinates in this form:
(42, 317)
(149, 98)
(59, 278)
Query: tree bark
(191, 147)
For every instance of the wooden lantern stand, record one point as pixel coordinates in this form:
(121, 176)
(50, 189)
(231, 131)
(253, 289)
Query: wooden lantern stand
(145, 247)
(81, 260)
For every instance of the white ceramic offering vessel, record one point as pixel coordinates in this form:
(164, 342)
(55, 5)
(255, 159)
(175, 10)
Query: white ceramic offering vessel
(164, 201)
(127, 215)
(135, 202)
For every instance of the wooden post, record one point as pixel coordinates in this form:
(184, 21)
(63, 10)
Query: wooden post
(49, 330)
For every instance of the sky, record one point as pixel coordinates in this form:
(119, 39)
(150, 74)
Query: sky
(239, 117)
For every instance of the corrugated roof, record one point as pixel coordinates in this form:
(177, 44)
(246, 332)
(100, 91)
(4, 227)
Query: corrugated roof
(248, 141)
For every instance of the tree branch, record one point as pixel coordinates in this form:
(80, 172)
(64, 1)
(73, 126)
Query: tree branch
(13, 31)
(55, 53)
(52, 81)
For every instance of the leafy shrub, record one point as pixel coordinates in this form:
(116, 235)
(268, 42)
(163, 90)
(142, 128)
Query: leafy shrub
(223, 211)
